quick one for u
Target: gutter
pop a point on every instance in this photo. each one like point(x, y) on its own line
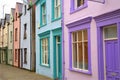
point(63, 56)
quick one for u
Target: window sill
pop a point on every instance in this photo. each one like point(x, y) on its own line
point(47, 66)
point(81, 71)
point(53, 20)
point(42, 25)
point(78, 9)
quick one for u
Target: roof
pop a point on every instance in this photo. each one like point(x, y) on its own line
point(7, 17)
point(12, 10)
point(36, 1)
point(20, 5)
point(31, 1)
point(2, 22)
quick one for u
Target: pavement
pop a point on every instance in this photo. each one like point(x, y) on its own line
point(8, 72)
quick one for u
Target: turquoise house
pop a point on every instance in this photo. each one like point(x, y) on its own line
point(49, 38)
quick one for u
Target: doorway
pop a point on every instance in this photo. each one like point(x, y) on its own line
point(57, 58)
point(110, 53)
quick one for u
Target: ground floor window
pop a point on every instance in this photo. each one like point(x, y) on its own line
point(79, 45)
point(44, 51)
point(15, 55)
point(25, 55)
point(80, 50)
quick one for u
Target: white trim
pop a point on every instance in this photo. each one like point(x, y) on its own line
point(83, 49)
point(57, 9)
point(44, 52)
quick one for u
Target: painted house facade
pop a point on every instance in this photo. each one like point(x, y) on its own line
point(1, 41)
point(4, 43)
point(17, 25)
point(91, 39)
point(27, 37)
point(48, 38)
point(5, 36)
point(10, 37)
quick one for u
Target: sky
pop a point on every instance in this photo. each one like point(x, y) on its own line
point(8, 4)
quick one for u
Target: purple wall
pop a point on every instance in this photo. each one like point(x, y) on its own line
point(93, 9)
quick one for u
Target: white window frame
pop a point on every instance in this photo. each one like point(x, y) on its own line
point(57, 9)
point(44, 52)
point(78, 51)
point(43, 13)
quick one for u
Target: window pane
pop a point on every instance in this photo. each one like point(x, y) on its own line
point(46, 58)
point(85, 34)
point(80, 2)
point(80, 36)
point(43, 9)
point(74, 55)
point(80, 55)
point(74, 36)
point(57, 9)
point(44, 51)
point(43, 14)
point(110, 32)
point(86, 55)
point(56, 3)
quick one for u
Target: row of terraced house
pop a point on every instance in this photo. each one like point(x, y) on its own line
point(63, 39)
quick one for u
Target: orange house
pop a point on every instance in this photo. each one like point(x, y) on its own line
point(17, 24)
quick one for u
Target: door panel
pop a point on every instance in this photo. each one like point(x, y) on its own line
point(112, 60)
point(58, 59)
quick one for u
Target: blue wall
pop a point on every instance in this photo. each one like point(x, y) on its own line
point(47, 71)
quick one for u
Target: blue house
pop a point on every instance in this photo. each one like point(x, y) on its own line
point(27, 37)
point(48, 38)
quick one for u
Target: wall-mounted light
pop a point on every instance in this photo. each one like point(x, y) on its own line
point(38, 25)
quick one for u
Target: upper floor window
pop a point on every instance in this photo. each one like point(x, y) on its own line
point(56, 9)
point(10, 36)
point(43, 14)
point(25, 31)
point(16, 16)
point(16, 34)
point(77, 5)
point(25, 9)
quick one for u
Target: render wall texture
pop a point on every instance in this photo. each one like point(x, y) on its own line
point(10, 42)
point(16, 26)
point(49, 27)
point(93, 9)
point(25, 43)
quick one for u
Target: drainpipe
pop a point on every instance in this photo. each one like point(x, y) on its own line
point(13, 43)
point(8, 42)
point(30, 39)
point(20, 42)
point(63, 62)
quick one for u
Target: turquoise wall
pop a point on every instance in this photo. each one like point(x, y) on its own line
point(51, 25)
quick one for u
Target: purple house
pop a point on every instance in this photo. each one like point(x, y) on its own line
point(91, 39)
